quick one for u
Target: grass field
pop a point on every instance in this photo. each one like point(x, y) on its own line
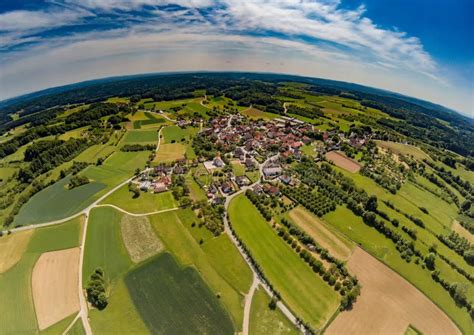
point(139, 238)
point(404, 149)
point(265, 321)
point(382, 248)
point(77, 328)
point(238, 168)
point(175, 134)
point(105, 249)
point(60, 327)
point(174, 300)
point(140, 137)
point(170, 152)
point(256, 114)
point(147, 202)
point(174, 229)
point(15, 284)
point(195, 191)
point(301, 289)
point(75, 133)
point(12, 248)
point(338, 245)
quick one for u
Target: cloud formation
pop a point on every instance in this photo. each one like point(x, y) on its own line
point(320, 34)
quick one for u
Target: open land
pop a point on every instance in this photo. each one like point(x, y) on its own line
point(342, 161)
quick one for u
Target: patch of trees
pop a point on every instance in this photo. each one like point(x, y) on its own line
point(96, 289)
point(133, 188)
point(138, 147)
point(460, 245)
point(312, 113)
point(410, 232)
point(204, 146)
point(77, 180)
point(46, 155)
point(456, 291)
point(211, 216)
point(317, 203)
point(259, 203)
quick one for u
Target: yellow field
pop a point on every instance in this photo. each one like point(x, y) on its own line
point(12, 248)
point(170, 152)
point(403, 149)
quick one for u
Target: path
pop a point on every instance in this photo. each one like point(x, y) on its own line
point(138, 214)
point(248, 305)
point(84, 311)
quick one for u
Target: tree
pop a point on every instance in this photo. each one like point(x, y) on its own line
point(430, 261)
point(469, 256)
point(466, 205)
point(371, 204)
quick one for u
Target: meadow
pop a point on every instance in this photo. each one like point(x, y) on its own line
point(147, 201)
point(256, 114)
point(172, 299)
point(303, 291)
point(140, 137)
point(174, 134)
point(15, 284)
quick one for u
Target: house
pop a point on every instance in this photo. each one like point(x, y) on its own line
point(242, 181)
point(249, 164)
point(271, 189)
point(160, 187)
point(285, 179)
point(271, 172)
point(218, 162)
point(226, 187)
point(144, 186)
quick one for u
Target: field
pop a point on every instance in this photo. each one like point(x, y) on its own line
point(174, 300)
point(15, 284)
point(195, 191)
point(383, 249)
point(105, 249)
point(238, 168)
point(12, 248)
point(301, 289)
point(170, 152)
point(337, 245)
point(56, 201)
point(146, 203)
point(342, 161)
point(140, 137)
point(458, 229)
point(256, 114)
point(77, 328)
point(403, 149)
point(210, 258)
point(139, 238)
point(265, 321)
point(388, 304)
point(174, 134)
point(54, 285)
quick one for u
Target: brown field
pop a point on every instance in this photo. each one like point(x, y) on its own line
point(139, 238)
point(458, 229)
point(12, 247)
point(388, 304)
point(342, 161)
point(312, 226)
point(55, 286)
point(170, 152)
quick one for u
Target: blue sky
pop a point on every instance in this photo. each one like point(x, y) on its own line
point(422, 48)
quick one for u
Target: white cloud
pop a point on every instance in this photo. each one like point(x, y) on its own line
point(23, 20)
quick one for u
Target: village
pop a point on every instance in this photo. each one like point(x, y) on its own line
point(266, 148)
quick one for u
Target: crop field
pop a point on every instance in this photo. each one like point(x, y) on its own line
point(104, 244)
point(388, 304)
point(174, 229)
point(147, 120)
point(265, 321)
point(172, 299)
point(301, 289)
point(15, 284)
point(12, 248)
point(54, 285)
point(139, 238)
point(167, 105)
point(343, 162)
point(383, 249)
point(147, 202)
point(255, 114)
point(337, 245)
point(59, 327)
point(170, 152)
point(195, 191)
point(75, 133)
point(94, 152)
point(140, 137)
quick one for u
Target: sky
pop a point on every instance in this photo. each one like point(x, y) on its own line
point(421, 48)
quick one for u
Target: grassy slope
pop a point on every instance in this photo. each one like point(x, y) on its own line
point(302, 290)
point(147, 202)
point(15, 284)
point(173, 300)
point(173, 230)
point(265, 321)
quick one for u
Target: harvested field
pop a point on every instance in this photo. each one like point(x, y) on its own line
point(139, 238)
point(455, 227)
point(388, 304)
point(255, 114)
point(337, 246)
point(341, 160)
point(12, 247)
point(54, 284)
point(170, 152)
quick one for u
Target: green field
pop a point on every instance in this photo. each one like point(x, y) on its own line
point(17, 314)
point(59, 327)
point(175, 134)
point(77, 328)
point(105, 249)
point(256, 114)
point(140, 137)
point(195, 191)
point(265, 321)
point(175, 300)
point(238, 169)
point(301, 289)
point(147, 202)
point(170, 152)
point(382, 248)
point(180, 238)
